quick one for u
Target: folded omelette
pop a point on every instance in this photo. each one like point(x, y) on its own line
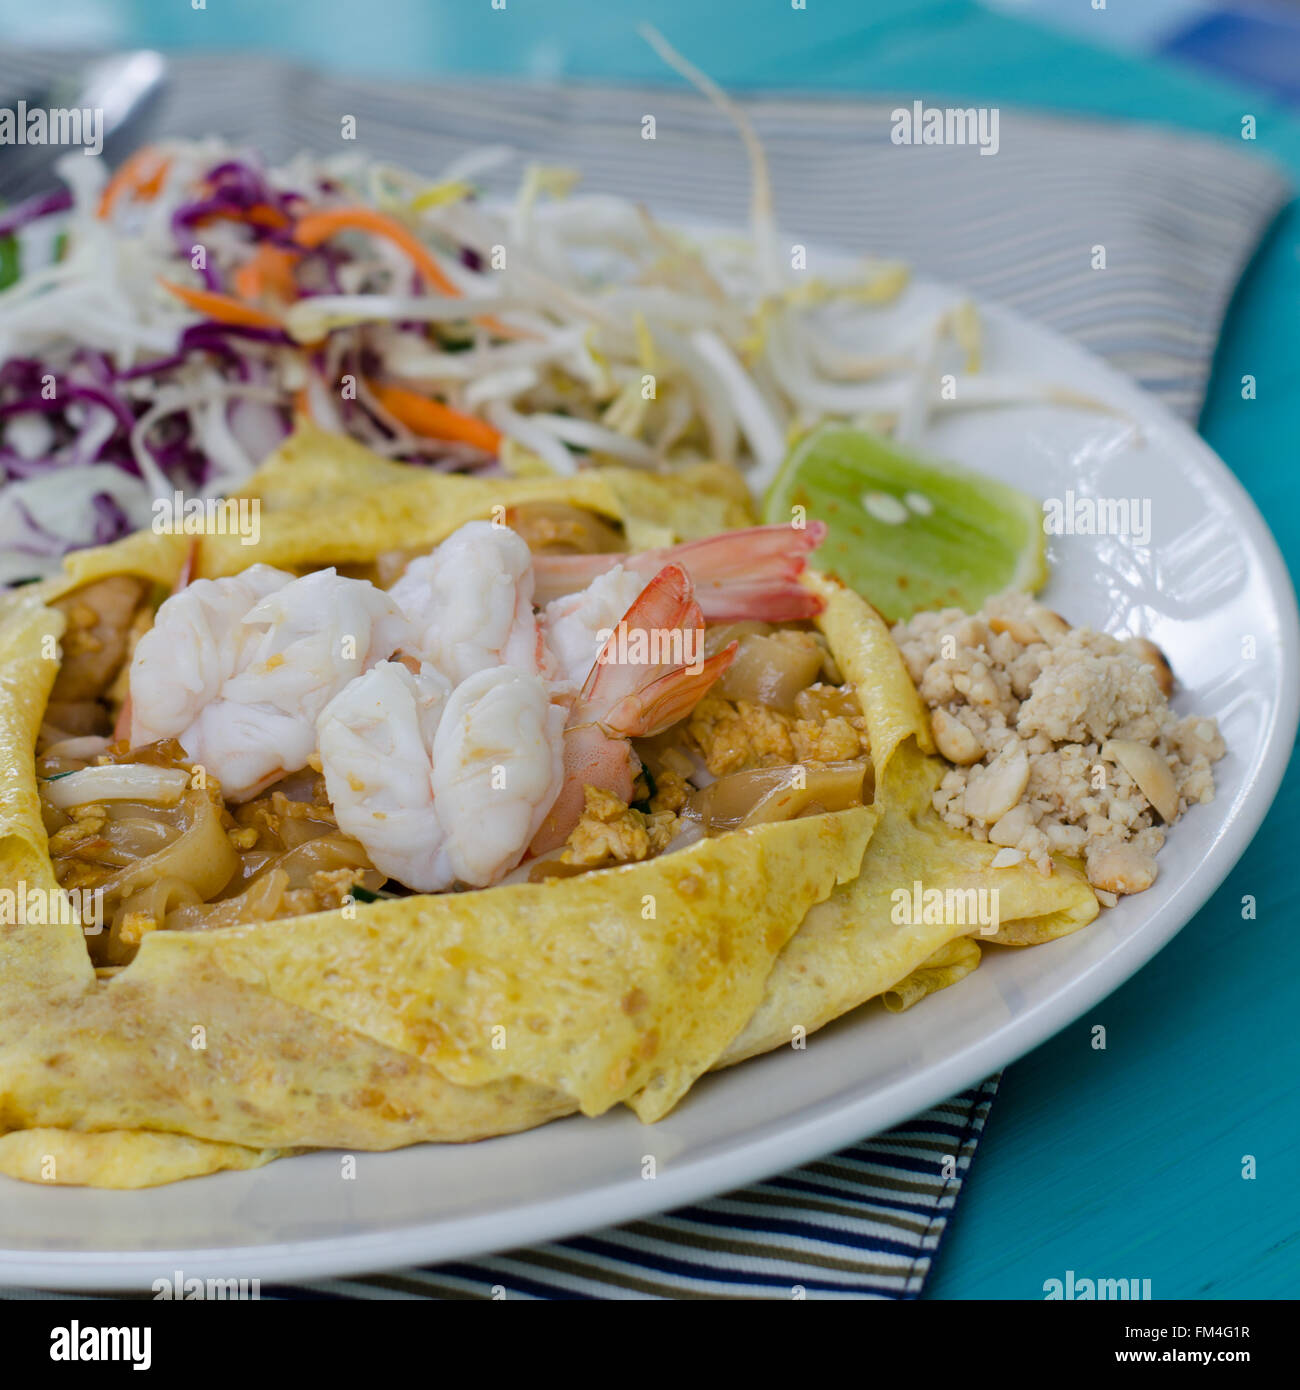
point(197, 1041)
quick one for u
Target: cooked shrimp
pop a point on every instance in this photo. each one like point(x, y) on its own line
point(622, 700)
point(470, 603)
point(440, 786)
point(375, 738)
point(497, 769)
point(193, 648)
point(239, 668)
point(95, 641)
point(572, 625)
point(737, 575)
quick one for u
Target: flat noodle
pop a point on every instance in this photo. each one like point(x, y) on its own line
point(161, 898)
point(144, 911)
point(260, 902)
point(136, 835)
point(324, 854)
point(201, 856)
point(180, 868)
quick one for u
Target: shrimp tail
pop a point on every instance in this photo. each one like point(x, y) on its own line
point(740, 575)
point(642, 683)
point(122, 726)
point(659, 705)
point(651, 671)
point(591, 759)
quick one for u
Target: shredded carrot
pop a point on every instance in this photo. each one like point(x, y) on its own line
point(317, 227)
point(504, 330)
point(433, 419)
point(141, 175)
point(260, 214)
point(220, 306)
point(268, 271)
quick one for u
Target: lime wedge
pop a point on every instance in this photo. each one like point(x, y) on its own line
point(908, 532)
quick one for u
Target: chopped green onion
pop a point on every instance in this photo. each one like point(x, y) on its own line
point(9, 266)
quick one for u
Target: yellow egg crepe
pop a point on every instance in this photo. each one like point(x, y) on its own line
point(463, 1015)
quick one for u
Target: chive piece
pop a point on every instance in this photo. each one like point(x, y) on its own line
point(9, 265)
point(368, 895)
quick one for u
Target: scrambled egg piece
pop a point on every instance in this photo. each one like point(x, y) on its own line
point(612, 832)
point(328, 889)
point(136, 926)
point(835, 739)
point(733, 735)
point(87, 821)
point(671, 793)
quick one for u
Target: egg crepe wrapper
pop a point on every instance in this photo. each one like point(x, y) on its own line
point(849, 948)
point(460, 1016)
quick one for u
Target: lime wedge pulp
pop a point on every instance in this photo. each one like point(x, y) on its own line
point(907, 532)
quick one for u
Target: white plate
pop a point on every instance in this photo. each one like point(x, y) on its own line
point(1211, 577)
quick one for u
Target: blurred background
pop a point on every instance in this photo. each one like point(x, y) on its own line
point(756, 43)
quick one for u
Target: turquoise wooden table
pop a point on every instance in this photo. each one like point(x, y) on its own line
point(1127, 1161)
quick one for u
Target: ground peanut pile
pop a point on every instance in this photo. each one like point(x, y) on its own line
point(1063, 738)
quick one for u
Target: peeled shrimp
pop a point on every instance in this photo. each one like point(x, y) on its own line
point(442, 786)
point(621, 700)
point(572, 625)
point(470, 603)
point(375, 738)
point(497, 769)
point(195, 645)
point(738, 575)
point(239, 668)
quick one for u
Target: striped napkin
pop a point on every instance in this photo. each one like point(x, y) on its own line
point(1178, 218)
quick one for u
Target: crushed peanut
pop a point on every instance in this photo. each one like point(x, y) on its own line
point(1064, 740)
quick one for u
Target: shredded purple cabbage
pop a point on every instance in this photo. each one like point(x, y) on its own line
point(89, 376)
point(65, 393)
point(14, 219)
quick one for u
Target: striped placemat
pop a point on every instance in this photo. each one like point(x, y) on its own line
point(862, 1223)
point(1178, 217)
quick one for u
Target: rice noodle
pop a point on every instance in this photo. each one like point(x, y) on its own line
point(260, 902)
point(201, 855)
point(117, 782)
point(74, 749)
